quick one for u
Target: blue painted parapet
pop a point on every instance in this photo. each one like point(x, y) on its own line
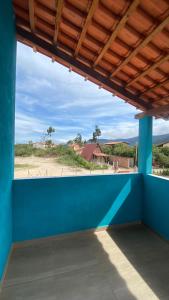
point(7, 103)
point(156, 204)
point(51, 206)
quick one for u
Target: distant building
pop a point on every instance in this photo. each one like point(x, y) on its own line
point(164, 144)
point(120, 161)
point(40, 145)
point(92, 152)
point(76, 147)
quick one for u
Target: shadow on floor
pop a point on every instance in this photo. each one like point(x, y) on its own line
point(121, 264)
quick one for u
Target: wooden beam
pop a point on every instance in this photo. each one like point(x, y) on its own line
point(86, 25)
point(160, 84)
point(66, 59)
point(32, 15)
point(149, 69)
point(118, 27)
point(159, 100)
point(93, 40)
point(153, 112)
point(59, 6)
point(142, 45)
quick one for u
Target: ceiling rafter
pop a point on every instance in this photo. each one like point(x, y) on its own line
point(146, 90)
point(142, 45)
point(160, 84)
point(118, 27)
point(150, 59)
point(166, 99)
point(59, 5)
point(100, 44)
point(86, 25)
point(132, 30)
point(122, 43)
point(84, 69)
point(153, 112)
point(150, 68)
point(32, 15)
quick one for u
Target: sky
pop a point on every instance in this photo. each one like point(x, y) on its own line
point(47, 94)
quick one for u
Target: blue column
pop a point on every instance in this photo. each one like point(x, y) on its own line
point(7, 102)
point(145, 146)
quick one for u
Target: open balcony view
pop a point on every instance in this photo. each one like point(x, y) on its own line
point(84, 150)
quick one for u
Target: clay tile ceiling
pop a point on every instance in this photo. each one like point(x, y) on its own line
point(123, 45)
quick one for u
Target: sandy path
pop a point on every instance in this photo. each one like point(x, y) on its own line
point(48, 167)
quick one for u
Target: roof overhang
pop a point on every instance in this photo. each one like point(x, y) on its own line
point(123, 46)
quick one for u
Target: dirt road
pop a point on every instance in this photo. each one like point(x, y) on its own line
point(48, 167)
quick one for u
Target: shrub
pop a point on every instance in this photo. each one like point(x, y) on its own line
point(75, 160)
point(165, 150)
point(63, 153)
point(119, 150)
point(39, 152)
point(23, 150)
point(164, 172)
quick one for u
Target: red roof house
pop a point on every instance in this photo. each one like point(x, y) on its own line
point(91, 151)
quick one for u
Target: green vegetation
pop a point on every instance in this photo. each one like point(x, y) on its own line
point(119, 150)
point(164, 172)
point(25, 166)
point(75, 160)
point(26, 150)
point(63, 153)
point(67, 156)
point(96, 134)
point(77, 140)
point(161, 156)
point(50, 130)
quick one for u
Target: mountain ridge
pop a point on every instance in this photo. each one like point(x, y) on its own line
point(157, 139)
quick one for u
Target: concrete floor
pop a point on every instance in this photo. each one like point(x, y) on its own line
point(122, 264)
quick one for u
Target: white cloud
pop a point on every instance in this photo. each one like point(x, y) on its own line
point(121, 130)
point(160, 126)
point(32, 128)
point(47, 94)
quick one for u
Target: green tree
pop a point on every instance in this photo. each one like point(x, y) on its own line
point(94, 139)
point(96, 134)
point(48, 141)
point(78, 139)
point(165, 150)
point(106, 149)
point(120, 150)
point(97, 131)
point(50, 130)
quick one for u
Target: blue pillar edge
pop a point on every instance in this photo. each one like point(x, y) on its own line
point(145, 145)
point(7, 115)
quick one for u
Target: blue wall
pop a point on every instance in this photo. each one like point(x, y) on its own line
point(7, 95)
point(156, 204)
point(50, 206)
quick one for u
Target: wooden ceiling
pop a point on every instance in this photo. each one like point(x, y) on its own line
point(123, 45)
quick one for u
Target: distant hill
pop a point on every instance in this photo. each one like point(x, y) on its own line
point(157, 139)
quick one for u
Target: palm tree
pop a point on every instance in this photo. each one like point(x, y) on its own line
point(50, 130)
point(97, 131)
